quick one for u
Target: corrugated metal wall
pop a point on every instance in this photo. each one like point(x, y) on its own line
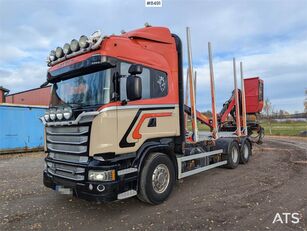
point(21, 128)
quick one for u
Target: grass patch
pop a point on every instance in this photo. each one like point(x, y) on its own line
point(200, 126)
point(287, 128)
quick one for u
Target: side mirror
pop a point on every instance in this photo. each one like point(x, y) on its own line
point(134, 87)
point(135, 69)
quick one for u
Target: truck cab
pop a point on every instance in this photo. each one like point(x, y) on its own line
point(112, 104)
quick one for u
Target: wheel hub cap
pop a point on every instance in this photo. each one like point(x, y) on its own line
point(160, 178)
point(234, 155)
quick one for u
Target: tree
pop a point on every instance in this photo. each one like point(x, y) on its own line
point(207, 113)
point(268, 110)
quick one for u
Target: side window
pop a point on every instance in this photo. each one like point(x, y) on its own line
point(159, 85)
point(154, 82)
point(260, 91)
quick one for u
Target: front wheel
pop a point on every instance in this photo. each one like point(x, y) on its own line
point(157, 178)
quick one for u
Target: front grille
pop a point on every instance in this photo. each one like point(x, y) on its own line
point(68, 144)
point(66, 171)
point(68, 158)
point(68, 139)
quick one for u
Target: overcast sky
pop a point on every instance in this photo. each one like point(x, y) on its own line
point(270, 37)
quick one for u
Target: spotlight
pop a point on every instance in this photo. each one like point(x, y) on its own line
point(66, 49)
point(74, 45)
point(83, 41)
point(59, 52)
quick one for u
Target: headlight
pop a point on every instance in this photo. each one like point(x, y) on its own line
point(59, 114)
point(52, 114)
point(59, 52)
point(74, 45)
point(46, 116)
point(67, 113)
point(83, 41)
point(52, 56)
point(101, 175)
point(66, 49)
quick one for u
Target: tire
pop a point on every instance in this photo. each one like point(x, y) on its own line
point(233, 155)
point(157, 179)
point(245, 152)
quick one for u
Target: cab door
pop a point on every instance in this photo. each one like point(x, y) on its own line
point(148, 117)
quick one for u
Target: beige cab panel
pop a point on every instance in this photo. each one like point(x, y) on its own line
point(166, 126)
point(103, 137)
point(112, 127)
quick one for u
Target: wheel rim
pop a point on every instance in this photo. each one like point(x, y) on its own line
point(234, 155)
point(160, 178)
point(245, 151)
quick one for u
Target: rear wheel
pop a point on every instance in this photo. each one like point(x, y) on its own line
point(233, 156)
point(245, 153)
point(157, 178)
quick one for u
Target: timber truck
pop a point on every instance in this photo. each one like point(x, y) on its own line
point(117, 122)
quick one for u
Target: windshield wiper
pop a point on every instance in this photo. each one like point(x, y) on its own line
point(76, 105)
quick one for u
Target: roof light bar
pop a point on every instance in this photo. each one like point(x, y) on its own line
point(75, 47)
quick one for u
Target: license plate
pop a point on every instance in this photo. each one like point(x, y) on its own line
point(62, 190)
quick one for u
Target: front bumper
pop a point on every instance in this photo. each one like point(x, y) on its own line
point(88, 189)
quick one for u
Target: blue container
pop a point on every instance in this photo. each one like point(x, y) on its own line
point(20, 128)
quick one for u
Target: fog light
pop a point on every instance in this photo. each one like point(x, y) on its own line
point(101, 175)
point(46, 116)
point(59, 114)
point(67, 113)
point(100, 188)
point(52, 114)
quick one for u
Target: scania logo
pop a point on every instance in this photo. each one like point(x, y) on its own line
point(65, 63)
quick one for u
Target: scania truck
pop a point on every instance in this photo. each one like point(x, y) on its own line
point(117, 127)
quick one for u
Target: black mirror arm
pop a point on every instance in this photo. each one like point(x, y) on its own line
point(44, 84)
point(124, 102)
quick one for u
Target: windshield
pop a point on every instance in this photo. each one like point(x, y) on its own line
point(84, 90)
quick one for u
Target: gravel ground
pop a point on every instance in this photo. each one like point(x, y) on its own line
point(247, 198)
